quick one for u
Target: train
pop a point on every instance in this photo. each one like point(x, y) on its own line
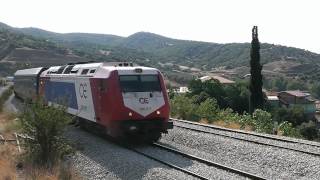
point(122, 99)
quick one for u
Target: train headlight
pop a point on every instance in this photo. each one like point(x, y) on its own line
point(132, 128)
point(158, 112)
point(130, 113)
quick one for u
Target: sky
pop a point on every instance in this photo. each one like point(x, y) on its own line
point(293, 23)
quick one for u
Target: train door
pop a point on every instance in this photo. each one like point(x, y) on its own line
point(99, 90)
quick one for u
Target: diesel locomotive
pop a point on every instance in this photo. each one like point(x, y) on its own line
point(122, 99)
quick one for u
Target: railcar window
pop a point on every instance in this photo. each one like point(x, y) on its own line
point(68, 69)
point(92, 71)
point(85, 71)
point(140, 83)
point(60, 70)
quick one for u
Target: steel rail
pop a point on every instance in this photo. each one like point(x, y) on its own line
point(168, 164)
point(210, 163)
point(252, 141)
point(246, 133)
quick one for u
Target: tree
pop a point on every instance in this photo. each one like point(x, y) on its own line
point(45, 124)
point(256, 95)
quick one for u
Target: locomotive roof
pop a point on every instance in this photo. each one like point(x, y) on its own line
point(29, 72)
point(95, 69)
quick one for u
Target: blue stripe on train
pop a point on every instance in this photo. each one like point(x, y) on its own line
point(61, 93)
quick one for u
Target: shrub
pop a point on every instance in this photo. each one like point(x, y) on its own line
point(182, 107)
point(262, 121)
point(228, 115)
point(287, 129)
point(45, 124)
point(294, 115)
point(309, 130)
point(246, 120)
point(208, 109)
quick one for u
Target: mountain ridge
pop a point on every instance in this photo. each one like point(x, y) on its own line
point(167, 54)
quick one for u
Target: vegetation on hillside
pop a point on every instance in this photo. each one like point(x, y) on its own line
point(154, 48)
point(211, 102)
point(278, 84)
point(150, 49)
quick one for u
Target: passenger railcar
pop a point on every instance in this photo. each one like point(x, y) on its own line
point(122, 99)
point(26, 82)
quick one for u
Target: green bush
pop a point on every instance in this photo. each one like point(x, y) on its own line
point(287, 129)
point(309, 130)
point(228, 115)
point(262, 121)
point(45, 124)
point(183, 107)
point(246, 120)
point(294, 115)
point(208, 110)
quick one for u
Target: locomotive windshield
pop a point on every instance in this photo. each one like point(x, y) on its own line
point(140, 83)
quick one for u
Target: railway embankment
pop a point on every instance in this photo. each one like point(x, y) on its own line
point(100, 158)
point(261, 155)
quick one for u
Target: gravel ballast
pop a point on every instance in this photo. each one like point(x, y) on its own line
point(298, 144)
point(100, 159)
point(269, 162)
point(191, 165)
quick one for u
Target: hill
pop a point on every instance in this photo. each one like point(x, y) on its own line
point(201, 55)
point(178, 58)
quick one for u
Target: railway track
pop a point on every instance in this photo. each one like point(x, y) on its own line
point(249, 134)
point(192, 157)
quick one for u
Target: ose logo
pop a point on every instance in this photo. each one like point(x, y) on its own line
point(144, 100)
point(83, 90)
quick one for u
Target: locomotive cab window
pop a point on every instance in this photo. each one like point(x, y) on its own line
point(140, 83)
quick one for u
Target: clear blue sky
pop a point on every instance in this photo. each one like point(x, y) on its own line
point(286, 22)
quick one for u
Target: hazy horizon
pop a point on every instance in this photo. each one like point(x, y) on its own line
point(288, 23)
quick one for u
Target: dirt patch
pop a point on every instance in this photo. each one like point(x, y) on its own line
point(8, 156)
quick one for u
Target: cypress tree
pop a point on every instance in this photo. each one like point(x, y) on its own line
point(256, 95)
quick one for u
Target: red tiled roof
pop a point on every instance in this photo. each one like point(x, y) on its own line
point(297, 93)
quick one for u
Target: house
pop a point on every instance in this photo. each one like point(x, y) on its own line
point(222, 80)
point(183, 90)
point(300, 99)
point(180, 90)
point(274, 101)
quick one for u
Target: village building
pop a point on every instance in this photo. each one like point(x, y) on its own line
point(222, 80)
point(274, 101)
point(298, 99)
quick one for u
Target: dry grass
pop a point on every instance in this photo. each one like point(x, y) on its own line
point(8, 151)
point(221, 123)
point(7, 162)
point(9, 157)
point(8, 124)
point(231, 125)
point(57, 173)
